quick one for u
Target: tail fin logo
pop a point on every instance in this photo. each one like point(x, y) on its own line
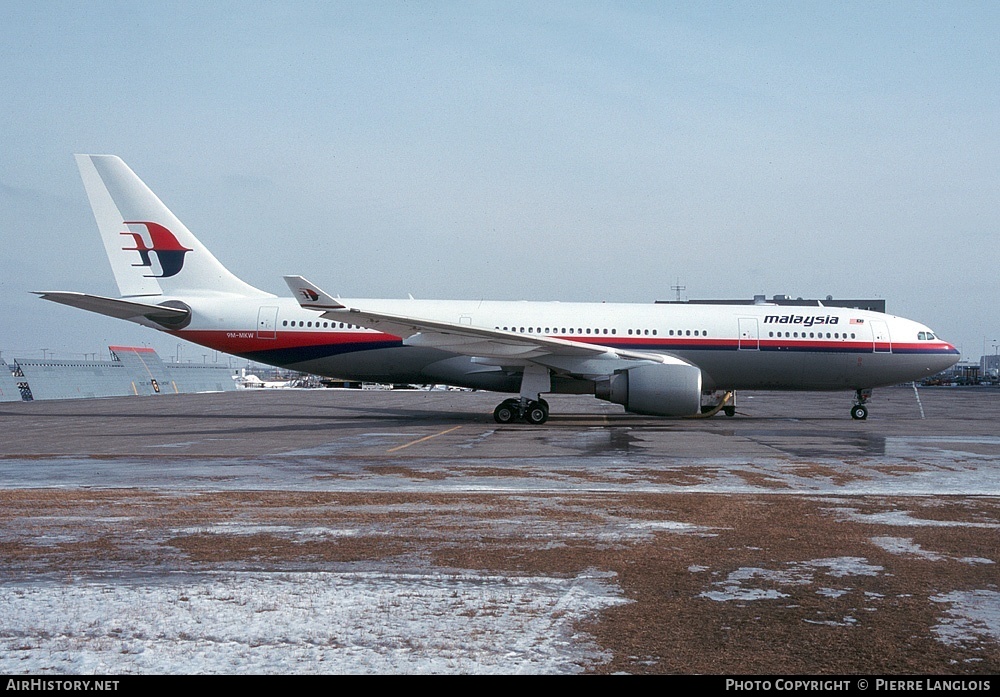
point(309, 294)
point(169, 252)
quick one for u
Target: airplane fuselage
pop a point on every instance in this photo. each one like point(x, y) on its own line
point(736, 346)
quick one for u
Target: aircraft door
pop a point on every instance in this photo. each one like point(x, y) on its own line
point(749, 338)
point(267, 321)
point(880, 337)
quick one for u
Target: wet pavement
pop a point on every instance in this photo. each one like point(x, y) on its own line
point(384, 440)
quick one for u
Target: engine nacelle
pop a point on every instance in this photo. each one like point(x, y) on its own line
point(661, 389)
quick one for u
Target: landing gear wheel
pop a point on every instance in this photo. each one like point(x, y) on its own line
point(537, 412)
point(729, 411)
point(506, 412)
point(859, 412)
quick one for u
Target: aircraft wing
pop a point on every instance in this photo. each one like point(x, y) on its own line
point(114, 307)
point(495, 345)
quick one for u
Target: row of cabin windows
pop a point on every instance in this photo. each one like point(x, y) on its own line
point(672, 332)
point(811, 335)
point(571, 330)
point(923, 336)
point(324, 325)
point(564, 330)
point(522, 330)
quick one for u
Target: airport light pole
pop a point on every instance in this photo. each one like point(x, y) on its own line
point(45, 354)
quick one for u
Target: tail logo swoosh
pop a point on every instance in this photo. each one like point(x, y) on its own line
point(162, 243)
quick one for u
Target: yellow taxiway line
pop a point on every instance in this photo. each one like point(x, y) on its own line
point(421, 440)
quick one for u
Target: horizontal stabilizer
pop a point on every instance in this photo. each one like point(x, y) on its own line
point(120, 309)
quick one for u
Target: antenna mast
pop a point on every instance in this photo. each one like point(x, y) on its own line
point(678, 287)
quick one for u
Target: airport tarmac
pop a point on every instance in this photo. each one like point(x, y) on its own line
point(329, 531)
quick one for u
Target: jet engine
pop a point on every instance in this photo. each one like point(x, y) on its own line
point(660, 389)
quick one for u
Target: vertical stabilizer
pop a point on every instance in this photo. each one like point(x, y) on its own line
point(150, 250)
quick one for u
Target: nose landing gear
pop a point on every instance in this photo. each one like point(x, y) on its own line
point(859, 412)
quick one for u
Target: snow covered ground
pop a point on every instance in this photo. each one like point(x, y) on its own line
point(228, 622)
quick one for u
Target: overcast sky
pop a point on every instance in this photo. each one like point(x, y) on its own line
point(502, 150)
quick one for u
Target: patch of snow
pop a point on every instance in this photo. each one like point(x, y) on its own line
point(672, 526)
point(839, 567)
point(738, 593)
point(233, 528)
point(833, 592)
point(368, 622)
point(734, 587)
point(904, 518)
point(972, 616)
point(846, 622)
point(905, 545)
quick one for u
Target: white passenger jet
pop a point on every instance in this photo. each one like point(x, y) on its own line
point(656, 359)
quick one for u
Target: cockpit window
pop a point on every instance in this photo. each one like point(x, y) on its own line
point(925, 336)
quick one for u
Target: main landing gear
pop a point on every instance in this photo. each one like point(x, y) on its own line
point(535, 379)
point(859, 412)
point(531, 410)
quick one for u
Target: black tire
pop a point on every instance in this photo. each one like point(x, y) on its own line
point(729, 411)
point(505, 413)
point(859, 412)
point(537, 413)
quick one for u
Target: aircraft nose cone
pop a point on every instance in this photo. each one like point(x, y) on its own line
point(948, 357)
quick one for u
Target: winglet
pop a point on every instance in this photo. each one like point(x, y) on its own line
point(311, 297)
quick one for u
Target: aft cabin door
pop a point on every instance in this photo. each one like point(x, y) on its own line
point(749, 339)
point(267, 321)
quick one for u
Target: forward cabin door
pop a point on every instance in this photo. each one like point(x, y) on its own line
point(880, 335)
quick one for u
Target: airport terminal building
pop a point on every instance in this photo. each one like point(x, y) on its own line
point(132, 371)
